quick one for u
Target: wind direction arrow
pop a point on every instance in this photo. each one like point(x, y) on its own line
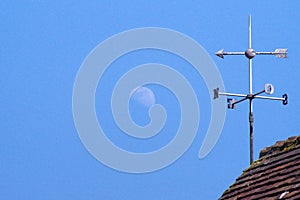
point(250, 53)
point(221, 53)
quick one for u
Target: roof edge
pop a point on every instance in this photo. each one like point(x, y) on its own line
point(280, 146)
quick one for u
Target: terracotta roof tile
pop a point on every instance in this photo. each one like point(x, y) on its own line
point(275, 175)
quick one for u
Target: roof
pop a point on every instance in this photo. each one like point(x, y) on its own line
point(275, 175)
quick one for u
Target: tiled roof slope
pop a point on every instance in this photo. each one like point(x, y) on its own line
point(275, 175)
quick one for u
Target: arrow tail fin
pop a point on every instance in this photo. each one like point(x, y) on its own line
point(281, 53)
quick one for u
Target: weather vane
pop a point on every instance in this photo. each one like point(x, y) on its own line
point(268, 89)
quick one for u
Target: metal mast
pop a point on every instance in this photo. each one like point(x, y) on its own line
point(268, 89)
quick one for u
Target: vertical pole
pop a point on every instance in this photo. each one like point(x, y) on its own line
point(250, 76)
point(251, 130)
point(250, 92)
point(250, 60)
point(249, 32)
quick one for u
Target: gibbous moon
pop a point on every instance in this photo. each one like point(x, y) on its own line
point(144, 96)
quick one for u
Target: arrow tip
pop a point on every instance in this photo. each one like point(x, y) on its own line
point(220, 53)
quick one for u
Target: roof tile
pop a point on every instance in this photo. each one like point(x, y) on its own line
point(275, 174)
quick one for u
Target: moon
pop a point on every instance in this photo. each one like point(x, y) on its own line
point(144, 96)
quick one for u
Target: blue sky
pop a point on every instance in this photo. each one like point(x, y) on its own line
point(42, 47)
